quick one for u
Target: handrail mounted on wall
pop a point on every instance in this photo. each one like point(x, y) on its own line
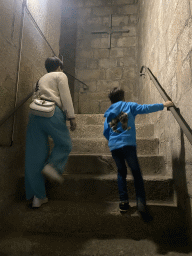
point(175, 111)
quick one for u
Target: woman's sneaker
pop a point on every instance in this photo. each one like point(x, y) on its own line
point(124, 206)
point(52, 174)
point(38, 202)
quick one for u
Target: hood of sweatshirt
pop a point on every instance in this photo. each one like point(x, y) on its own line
point(114, 110)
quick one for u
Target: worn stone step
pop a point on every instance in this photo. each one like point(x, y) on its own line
point(104, 187)
point(99, 119)
point(79, 145)
point(63, 228)
point(96, 131)
point(104, 164)
point(144, 146)
point(80, 228)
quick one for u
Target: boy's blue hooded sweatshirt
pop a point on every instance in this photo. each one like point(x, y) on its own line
point(125, 137)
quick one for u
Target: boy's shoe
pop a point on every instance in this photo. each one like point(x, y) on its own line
point(124, 206)
point(52, 174)
point(145, 215)
point(38, 202)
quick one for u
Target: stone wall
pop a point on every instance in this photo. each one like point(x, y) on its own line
point(102, 64)
point(33, 54)
point(164, 45)
point(68, 40)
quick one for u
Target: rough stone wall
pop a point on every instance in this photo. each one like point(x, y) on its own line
point(164, 45)
point(98, 66)
point(33, 54)
point(68, 40)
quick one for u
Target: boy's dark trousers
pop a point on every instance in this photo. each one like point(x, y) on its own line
point(129, 154)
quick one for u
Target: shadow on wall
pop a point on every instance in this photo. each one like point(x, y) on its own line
point(180, 183)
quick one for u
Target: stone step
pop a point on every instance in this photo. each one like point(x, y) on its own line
point(78, 228)
point(67, 217)
point(144, 146)
point(99, 119)
point(104, 188)
point(104, 164)
point(96, 131)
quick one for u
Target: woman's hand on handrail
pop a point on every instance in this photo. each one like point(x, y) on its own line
point(168, 104)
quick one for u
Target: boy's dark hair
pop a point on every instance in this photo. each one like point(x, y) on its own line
point(116, 95)
point(52, 64)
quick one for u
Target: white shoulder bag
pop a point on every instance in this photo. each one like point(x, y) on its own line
point(40, 107)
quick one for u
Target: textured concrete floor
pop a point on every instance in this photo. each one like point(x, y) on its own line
point(62, 228)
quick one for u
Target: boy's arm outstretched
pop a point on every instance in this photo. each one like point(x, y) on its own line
point(150, 108)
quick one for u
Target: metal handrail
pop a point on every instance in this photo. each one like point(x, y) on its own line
point(4, 119)
point(45, 39)
point(175, 111)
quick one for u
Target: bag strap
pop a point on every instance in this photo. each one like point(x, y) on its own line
point(37, 86)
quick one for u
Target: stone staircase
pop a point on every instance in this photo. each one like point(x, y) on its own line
point(91, 172)
point(82, 215)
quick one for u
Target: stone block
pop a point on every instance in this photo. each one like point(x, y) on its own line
point(129, 52)
point(92, 64)
point(84, 13)
point(100, 43)
point(82, 44)
point(127, 85)
point(119, 21)
point(94, 21)
point(105, 85)
point(127, 9)
point(132, 31)
point(86, 75)
point(126, 42)
point(114, 74)
point(129, 96)
point(102, 11)
point(116, 52)
point(81, 63)
point(92, 86)
point(127, 62)
point(134, 18)
point(106, 21)
point(129, 73)
point(101, 53)
point(97, 96)
point(107, 63)
point(84, 54)
point(91, 3)
point(87, 107)
point(104, 105)
point(119, 2)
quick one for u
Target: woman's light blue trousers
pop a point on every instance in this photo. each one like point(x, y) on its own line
point(37, 150)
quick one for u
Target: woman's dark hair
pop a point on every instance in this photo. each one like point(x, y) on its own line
point(52, 64)
point(116, 95)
